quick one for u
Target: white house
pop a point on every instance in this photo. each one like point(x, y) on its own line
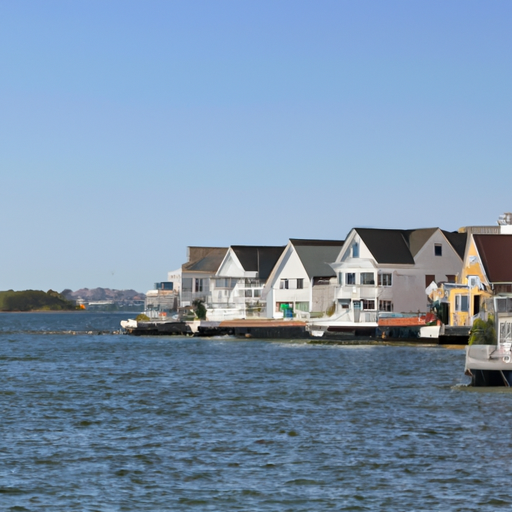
point(202, 264)
point(302, 279)
point(236, 288)
point(385, 270)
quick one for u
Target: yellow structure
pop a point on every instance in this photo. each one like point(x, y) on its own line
point(460, 302)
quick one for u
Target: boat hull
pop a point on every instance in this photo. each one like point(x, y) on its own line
point(488, 365)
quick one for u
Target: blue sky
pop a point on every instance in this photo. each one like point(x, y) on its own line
point(130, 130)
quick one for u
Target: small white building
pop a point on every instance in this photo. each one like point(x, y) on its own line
point(302, 280)
point(202, 265)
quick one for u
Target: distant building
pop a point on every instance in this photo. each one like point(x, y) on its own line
point(162, 299)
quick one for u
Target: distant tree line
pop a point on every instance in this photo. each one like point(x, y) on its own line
point(34, 300)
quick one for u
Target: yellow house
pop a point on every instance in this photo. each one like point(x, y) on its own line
point(486, 271)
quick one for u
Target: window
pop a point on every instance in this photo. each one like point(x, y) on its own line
point(283, 285)
point(504, 304)
point(473, 281)
point(198, 285)
point(428, 279)
point(248, 293)
point(385, 279)
point(438, 249)
point(461, 303)
point(186, 284)
point(355, 250)
point(302, 306)
point(257, 292)
point(344, 303)
point(340, 278)
point(450, 278)
point(367, 278)
point(350, 278)
point(385, 305)
point(368, 304)
point(300, 284)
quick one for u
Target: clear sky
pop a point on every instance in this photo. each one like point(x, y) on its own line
point(130, 130)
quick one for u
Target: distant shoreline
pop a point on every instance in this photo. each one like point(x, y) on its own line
point(69, 311)
point(48, 311)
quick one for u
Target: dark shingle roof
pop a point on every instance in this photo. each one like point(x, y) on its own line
point(205, 259)
point(458, 241)
point(496, 255)
point(387, 245)
point(258, 258)
point(417, 238)
point(400, 246)
point(316, 255)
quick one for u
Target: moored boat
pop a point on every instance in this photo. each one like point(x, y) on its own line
point(491, 365)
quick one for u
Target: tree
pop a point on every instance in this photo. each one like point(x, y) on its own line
point(199, 309)
point(483, 332)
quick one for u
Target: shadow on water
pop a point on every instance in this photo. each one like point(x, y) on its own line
point(502, 390)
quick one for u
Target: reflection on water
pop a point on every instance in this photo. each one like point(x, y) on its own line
point(120, 423)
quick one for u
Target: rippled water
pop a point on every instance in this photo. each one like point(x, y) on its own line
point(117, 423)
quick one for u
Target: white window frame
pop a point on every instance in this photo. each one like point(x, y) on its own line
point(367, 302)
point(365, 274)
point(384, 277)
point(388, 303)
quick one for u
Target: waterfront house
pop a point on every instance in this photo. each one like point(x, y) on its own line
point(387, 270)
point(302, 279)
point(487, 271)
point(236, 288)
point(203, 263)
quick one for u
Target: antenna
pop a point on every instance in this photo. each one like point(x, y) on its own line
point(505, 219)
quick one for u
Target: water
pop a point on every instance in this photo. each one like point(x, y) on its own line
point(117, 423)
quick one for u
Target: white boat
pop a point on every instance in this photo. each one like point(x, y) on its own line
point(491, 365)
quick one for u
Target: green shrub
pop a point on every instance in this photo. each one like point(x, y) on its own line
point(199, 309)
point(483, 332)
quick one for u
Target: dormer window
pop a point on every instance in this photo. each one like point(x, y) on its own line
point(473, 281)
point(438, 250)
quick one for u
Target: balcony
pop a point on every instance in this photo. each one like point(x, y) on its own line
point(358, 291)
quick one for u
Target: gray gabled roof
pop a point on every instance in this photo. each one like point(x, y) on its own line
point(258, 258)
point(316, 255)
point(400, 246)
point(205, 259)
